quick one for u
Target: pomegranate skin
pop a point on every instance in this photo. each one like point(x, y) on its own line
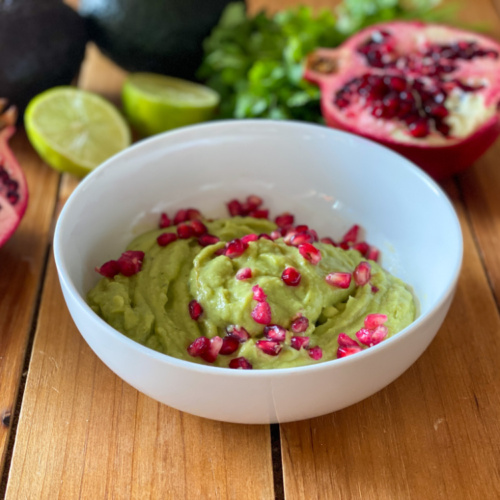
point(331, 69)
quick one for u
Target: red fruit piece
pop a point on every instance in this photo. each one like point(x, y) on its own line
point(328, 241)
point(198, 227)
point(362, 273)
point(235, 248)
point(258, 294)
point(316, 353)
point(269, 347)
point(234, 208)
point(275, 332)
point(374, 320)
point(364, 336)
point(265, 236)
point(373, 254)
point(166, 238)
point(300, 324)
point(362, 247)
point(291, 276)
point(285, 219)
point(240, 363)
point(379, 334)
point(351, 235)
point(109, 269)
point(254, 202)
point(249, 238)
point(229, 345)
point(180, 216)
point(301, 238)
point(346, 341)
point(244, 273)
point(275, 235)
point(184, 231)
point(130, 262)
point(193, 214)
point(262, 313)
point(339, 280)
point(238, 332)
point(164, 221)
point(199, 346)
point(259, 214)
point(195, 310)
point(310, 253)
point(298, 342)
point(208, 239)
point(210, 355)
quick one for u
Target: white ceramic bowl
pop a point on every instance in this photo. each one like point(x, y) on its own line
point(328, 179)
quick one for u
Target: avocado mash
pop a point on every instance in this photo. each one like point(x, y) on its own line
point(155, 306)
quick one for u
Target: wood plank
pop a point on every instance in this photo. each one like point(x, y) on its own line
point(22, 260)
point(433, 433)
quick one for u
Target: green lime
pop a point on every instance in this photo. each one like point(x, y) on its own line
point(156, 103)
point(74, 130)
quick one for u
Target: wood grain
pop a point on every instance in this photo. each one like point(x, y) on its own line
point(22, 261)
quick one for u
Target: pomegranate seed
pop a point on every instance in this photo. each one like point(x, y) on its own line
point(328, 241)
point(379, 334)
point(362, 247)
point(374, 289)
point(298, 342)
point(262, 313)
point(180, 216)
point(310, 253)
point(364, 336)
point(362, 273)
point(352, 234)
point(285, 219)
point(208, 239)
point(269, 347)
point(130, 262)
point(244, 273)
point(166, 238)
point(192, 214)
point(165, 221)
point(301, 228)
point(345, 245)
point(343, 351)
point(235, 248)
point(316, 353)
point(109, 269)
point(254, 201)
point(373, 254)
point(291, 276)
point(229, 345)
point(184, 231)
point(346, 341)
point(275, 332)
point(240, 363)
point(259, 214)
point(210, 355)
point(198, 227)
point(235, 208)
point(195, 310)
point(238, 332)
point(300, 324)
point(265, 236)
point(258, 294)
point(199, 346)
point(220, 251)
point(301, 238)
point(374, 320)
point(339, 280)
point(275, 235)
point(248, 238)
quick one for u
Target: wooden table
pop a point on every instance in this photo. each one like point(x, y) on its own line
point(69, 428)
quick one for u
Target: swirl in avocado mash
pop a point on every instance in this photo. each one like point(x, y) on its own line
point(151, 306)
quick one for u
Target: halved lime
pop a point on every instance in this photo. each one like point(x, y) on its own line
point(156, 103)
point(74, 130)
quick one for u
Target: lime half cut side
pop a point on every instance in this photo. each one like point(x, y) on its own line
point(156, 103)
point(74, 130)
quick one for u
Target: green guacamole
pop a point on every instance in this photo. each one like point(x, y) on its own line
point(151, 307)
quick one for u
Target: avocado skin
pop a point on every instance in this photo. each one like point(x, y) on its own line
point(42, 44)
point(158, 36)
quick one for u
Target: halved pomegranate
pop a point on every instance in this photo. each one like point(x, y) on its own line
point(429, 92)
point(13, 188)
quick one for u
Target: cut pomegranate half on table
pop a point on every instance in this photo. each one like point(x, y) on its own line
point(427, 91)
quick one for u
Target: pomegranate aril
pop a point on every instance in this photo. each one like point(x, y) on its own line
point(244, 273)
point(261, 313)
point(328, 241)
point(269, 347)
point(364, 336)
point(198, 346)
point(235, 248)
point(373, 254)
point(316, 353)
point(229, 345)
point(238, 332)
point(339, 280)
point(184, 231)
point(254, 201)
point(291, 276)
point(265, 237)
point(258, 294)
point(208, 239)
point(275, 332)
point(180, 216)
point(379, 334)
point(248, 238)
point(362, 273)
point(275, 235)
point(109, 269)
point(285, 219)
point(300, 324)
point(342, 352)
point(166, 238)
point(297, 342)
point(259, 214)
point(240, 363)
point(310, 253)
point(198, 227)
point(195, 310)
point(235, 208)
point(362, 247)
point(301, 238)
point(210, 355)
point(351, 235)
point(164, 221)
point(419, 128)
point(192, 214)
point(346, 341)
point(130, 262)
point(374, 320)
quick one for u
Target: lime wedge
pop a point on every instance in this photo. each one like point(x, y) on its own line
point(74, 130)
point(156, 103)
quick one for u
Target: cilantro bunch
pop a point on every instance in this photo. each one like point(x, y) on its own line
point(256, 62)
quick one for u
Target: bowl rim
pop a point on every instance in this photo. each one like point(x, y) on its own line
point(187, 131)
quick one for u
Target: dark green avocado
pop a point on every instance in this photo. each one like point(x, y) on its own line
point(42, 44)
point(159, 36)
